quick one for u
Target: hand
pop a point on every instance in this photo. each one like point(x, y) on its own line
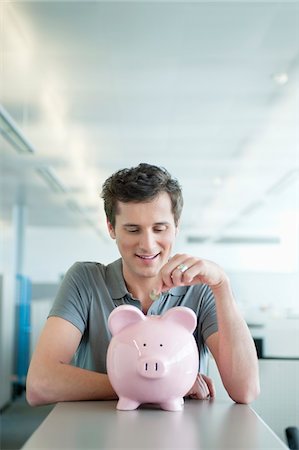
point(186, 270)
point(202, 389)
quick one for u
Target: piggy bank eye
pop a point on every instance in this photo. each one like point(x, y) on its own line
point(144, 345)
point(161, 345)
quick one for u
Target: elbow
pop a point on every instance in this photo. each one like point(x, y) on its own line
point(247, 395)
point(36, 392)
point(32, 398)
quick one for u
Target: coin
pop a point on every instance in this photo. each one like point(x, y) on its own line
point(154, 295)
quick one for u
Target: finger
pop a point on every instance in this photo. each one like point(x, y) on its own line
point(196, 271)
point(166, 273)
point(165, 283)
point(168, 278)
point(211, 385)
point(180, 269)
point(199, 390)
point(199, 395)
point(203, 387)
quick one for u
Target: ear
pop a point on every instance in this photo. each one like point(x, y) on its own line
point(111, 229)
point(123, 316)
point(183, 316)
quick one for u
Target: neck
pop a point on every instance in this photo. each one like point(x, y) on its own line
point(140, 288)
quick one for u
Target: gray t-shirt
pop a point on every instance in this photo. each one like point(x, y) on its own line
point(90, 291)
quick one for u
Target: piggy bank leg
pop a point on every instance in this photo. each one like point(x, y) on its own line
point(175, 404)
point(127, 404)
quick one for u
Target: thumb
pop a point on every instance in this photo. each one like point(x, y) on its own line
point(158, 289)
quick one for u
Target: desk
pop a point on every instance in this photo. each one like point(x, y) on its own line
point(208, 424)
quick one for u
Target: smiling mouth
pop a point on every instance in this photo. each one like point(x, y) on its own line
point(148, 257)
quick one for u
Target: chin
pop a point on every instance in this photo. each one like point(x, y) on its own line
point(149, 273)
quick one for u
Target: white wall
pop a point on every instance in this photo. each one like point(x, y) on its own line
point(39, 313)
point(7, 313)
point(51, 251)
point(269, 291)
point(262, 276)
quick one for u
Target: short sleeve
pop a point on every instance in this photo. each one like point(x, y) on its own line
point(73, 297)
point(208, 316)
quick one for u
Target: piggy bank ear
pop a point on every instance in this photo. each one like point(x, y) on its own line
point(123, 316)
point(183, 316)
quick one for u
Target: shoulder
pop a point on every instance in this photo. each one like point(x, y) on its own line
point(86, 268)
point(94, 271)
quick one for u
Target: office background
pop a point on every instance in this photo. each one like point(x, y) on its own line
point(207, 89)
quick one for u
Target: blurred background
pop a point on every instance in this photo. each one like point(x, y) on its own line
point(207, 89)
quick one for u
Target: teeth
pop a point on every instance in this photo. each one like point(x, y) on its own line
point(147, 257)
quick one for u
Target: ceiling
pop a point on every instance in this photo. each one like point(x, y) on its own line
point(209, 90)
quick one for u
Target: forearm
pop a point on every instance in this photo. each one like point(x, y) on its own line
point(58, 382)
point(237, 359)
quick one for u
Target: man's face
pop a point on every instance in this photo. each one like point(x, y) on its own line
point(144, 233)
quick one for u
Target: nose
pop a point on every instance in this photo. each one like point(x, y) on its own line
point(151, 368)
point(147, 242)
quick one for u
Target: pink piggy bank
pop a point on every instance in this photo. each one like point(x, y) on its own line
point(152, 359)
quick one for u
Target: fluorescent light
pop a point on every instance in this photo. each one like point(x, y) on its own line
point(52, 180)
point(280, 78)
point(10, 131)
point(217, 181)
point(251, 208)
point(192, 239)
point(73, 205)
point(284, 182)
point(246, 240)
point(249, 240)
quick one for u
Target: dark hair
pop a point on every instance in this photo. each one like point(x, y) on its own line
point(140, 184)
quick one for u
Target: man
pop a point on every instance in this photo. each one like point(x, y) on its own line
point(143, 207)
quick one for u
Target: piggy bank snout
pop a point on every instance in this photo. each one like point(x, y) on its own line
point(151, 368)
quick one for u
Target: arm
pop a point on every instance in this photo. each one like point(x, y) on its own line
point(233, 349)
point(232, 346)
point(51, 378)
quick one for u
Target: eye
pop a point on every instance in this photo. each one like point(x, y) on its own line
point(159, 229)
point(144, 345)
point(131, 228)
point(161, 345)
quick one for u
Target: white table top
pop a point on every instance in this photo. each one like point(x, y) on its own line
point(208, 424)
